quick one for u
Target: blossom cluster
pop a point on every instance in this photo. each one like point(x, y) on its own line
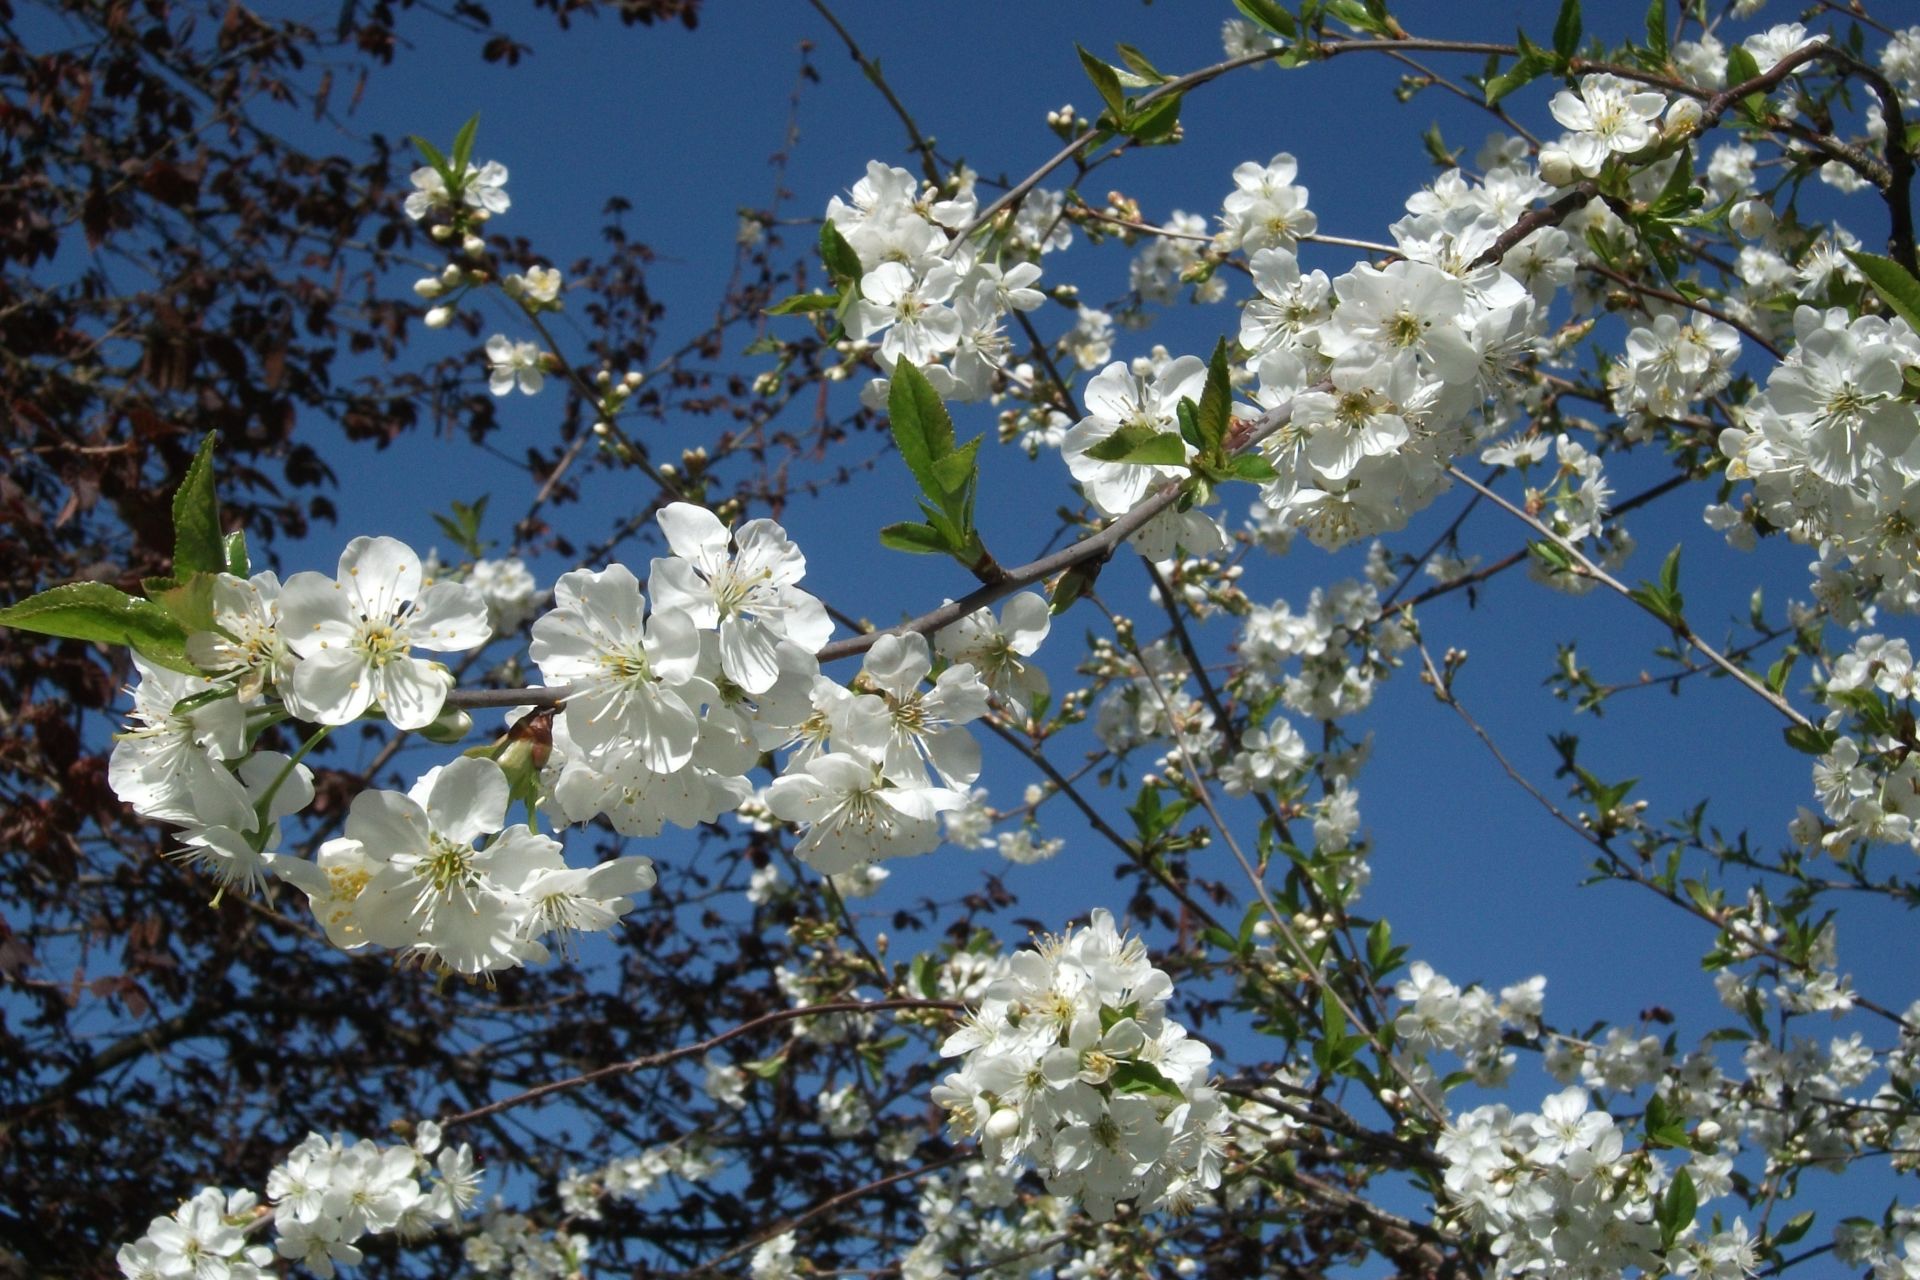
point(926, 295)
point(326, 1196)
point(1830, 449)
point(1071, 1063)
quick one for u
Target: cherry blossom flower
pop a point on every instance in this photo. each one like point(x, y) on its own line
point(747, 594)
point(632, 676)
point(354, 633)
point(514, 364)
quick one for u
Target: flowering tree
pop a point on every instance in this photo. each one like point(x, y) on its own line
point(591, 990)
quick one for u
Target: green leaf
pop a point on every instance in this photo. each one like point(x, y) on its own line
point(1361, 17)
point(1437, 148)
point(1269, 16)
point(843, 264)
point(1566, 29)
point(190, 603)
point(920, 539)
point(463, 146)
point(1141, 445)
point(431, 154)
point(953, 472)
point(1524, 71)
point(1155, 122)
point(1677, 1208)
point(97, 611)
point(1795, 1228)
point(197, 544)
point(1552, 554)
point(1107, 81)
point(1071, 585)
point(1657, 29)
point(1379, 947)
point(238, 562)
point(1891, 281)
point(1253, 467)
point(921, 427)
point(1140, 65)
point(1214, 413)
point(1143, 1077)
point(1189, 425)
point(1677, 196)
point(802, 303)
point(1810, 739)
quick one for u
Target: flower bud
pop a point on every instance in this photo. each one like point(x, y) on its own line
point(452, 725)
point(1708, 1131)
point(1751, 219)
point(429, 287)
point(472, 245)
point(442, 232)
point(438, 318)
point(1683, 116)
point(1557, 168)
point(1002, 1124)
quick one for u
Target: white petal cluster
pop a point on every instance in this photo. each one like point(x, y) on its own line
point(409, 876)
point(512, 364)
point(1830, 448)
point(1609, 116)
point(205, 1237)
point(892, 761)
point(325, 650)
point(354, 635)
point(1070, 1063)
point(1673, 363)
point(925, 296)
point(1556, 1191)
point(483, 190)
point(1266, 209)
point(326, 1195)
point(998, 649)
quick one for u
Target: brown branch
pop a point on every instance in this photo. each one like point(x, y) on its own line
point(1095, 547)
point(672, 1055)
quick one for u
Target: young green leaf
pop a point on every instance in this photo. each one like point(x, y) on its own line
point(843, 264)
point(803, 303)
point(197, 544)
point(1214, 414)
point(920, 539)
point(1657, 30)
point(239, 564)
point(1268, 15)
point(463, 146)
point(1251, 466)
point(1141, 445)
point(1155, 122)
point(431, 154)
point(1140, 66)
point(922, 429)
point(1566, 29)
point(97, 611)
point(1896, 287)
point(1807, 738)
point(1071, 585)
point(1677, 1207)
point(1107, 81)
point(190, 602)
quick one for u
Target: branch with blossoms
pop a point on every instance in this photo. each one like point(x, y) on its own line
point(1082, 1124)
